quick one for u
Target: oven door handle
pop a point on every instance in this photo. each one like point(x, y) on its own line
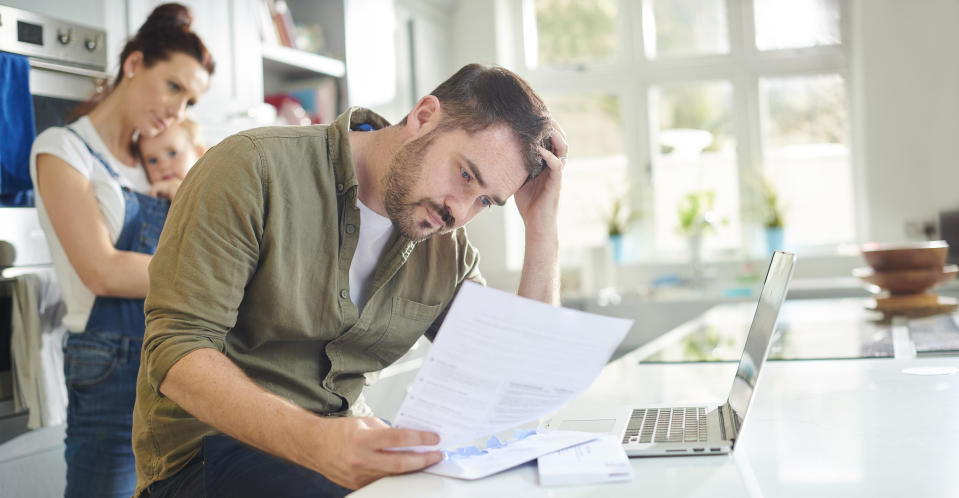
point(63, 68)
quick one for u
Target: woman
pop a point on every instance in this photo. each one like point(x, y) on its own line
point(102, 231)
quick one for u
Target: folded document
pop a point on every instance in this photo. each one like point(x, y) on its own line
point(500, 361)
point(475, 463)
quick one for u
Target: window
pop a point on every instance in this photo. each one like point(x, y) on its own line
point(694, 151)
point(664, 99)
point(806, 155)
point(572, 32)
point(676, 28)
point(796, 23)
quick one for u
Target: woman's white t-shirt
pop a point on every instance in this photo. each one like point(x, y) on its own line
point(65, 145)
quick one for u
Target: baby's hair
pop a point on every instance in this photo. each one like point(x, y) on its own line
point(193, 131)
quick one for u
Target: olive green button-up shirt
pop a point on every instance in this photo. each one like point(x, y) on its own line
point(254, 261)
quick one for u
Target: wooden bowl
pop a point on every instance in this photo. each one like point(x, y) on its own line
point(907, 281)
point(910, 256)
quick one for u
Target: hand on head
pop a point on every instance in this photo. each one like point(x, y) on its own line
point(538, 200)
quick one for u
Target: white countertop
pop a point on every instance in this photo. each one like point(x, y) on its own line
point(842, 428)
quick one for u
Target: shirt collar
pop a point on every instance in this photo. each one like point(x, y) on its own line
point(341, 155)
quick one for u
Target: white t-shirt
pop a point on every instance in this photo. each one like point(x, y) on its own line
point(375, 231)
point(66, 146)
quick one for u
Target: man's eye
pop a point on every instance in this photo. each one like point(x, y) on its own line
point(486, 202)
point(152, 160)
point(173, 86)
point(465, 174)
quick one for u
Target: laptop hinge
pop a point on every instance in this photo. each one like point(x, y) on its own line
point(727, 419)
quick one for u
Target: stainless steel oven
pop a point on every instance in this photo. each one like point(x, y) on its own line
point(68, 65)
point(67, 62)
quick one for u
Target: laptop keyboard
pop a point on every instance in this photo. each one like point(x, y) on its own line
point(666, 425)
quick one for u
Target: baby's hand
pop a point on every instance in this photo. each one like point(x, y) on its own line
point(166, 188)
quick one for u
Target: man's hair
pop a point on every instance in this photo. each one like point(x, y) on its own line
point(480, 96)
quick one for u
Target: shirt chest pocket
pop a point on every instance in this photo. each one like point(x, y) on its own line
point(408, 321)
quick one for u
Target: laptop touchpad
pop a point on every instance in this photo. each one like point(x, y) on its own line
point(594, 425)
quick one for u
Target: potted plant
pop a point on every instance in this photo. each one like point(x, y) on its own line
point(618, 219)
point(772, 216)
point(696, 217)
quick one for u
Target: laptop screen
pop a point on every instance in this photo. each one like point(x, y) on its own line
point(760, 333)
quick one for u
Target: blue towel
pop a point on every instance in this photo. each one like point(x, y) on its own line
point(17, 130)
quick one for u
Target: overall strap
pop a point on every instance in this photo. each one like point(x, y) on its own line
point(97, 155)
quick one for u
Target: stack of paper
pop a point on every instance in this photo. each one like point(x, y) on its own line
point(598, 461)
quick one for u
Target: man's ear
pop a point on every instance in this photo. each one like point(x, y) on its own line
point(426, 115)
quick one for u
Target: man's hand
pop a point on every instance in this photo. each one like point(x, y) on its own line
point(350, 451)
point(353, 450)
point(538, 204)
point(166, 188)
point(538, 200)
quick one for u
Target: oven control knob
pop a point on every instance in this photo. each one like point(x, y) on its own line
point(64, 36)
point(91, 44)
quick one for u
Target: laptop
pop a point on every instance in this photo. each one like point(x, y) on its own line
point(701, 428)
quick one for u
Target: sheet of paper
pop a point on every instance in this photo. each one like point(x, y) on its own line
point(492, 460)
point(500, 361)
point(600, 460)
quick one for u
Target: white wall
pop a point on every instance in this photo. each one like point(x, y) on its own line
point(906, 92)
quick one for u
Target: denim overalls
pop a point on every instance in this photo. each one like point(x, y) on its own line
point(101, 365)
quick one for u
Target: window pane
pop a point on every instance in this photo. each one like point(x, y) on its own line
point(806, 154)
point(694, 153)
point(575, 32)
point(676, 28)
point(594, 175)
point(796, 23)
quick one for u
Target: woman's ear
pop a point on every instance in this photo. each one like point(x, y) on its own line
point(426, 114)
point(132, 63)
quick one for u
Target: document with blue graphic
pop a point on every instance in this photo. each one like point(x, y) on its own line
point(500, 361)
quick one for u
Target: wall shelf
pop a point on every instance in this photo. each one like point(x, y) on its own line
point(292, 64)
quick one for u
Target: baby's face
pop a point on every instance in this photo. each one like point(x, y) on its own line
point(168, 155)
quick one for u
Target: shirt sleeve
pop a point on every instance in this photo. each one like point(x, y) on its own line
point(207, 254)
point(63, 144)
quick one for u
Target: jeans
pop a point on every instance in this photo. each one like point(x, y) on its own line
point(226, 468)
point(101, 373)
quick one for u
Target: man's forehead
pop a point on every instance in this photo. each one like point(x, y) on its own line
point(497, 152)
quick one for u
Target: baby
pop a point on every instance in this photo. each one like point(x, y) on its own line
point(169, 155)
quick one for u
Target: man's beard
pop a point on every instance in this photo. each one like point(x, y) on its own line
point(400, 179)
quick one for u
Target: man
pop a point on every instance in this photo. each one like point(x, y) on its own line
point(298, 260)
